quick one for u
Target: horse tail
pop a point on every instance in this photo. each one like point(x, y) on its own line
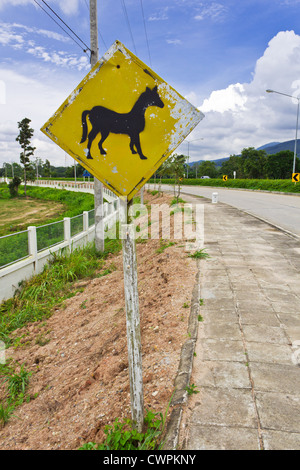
point(84, 126)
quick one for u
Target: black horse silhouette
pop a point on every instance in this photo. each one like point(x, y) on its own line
point(105, 120)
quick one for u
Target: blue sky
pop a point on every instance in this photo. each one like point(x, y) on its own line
point(221, 55)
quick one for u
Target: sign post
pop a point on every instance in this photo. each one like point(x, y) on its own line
point(133, 325)
point(121, 123)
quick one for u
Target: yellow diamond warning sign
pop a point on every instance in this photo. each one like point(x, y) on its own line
point(122, 121)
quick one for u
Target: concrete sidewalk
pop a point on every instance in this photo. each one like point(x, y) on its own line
point(247, 359)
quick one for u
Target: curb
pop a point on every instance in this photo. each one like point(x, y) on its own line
point(184, 372)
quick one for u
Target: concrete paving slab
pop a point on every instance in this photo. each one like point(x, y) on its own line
point(222, 350)
point(279, 440)
point(279, 411)
point(248, 346)
point(283, 307)
point(222, 330)
point(281, 378)
point(220, 315)
point(269, 353)
point(225, 407)
point(259, 318)
point(265, 334)
point(289, 319)
point(222, 438)
point(223, 374)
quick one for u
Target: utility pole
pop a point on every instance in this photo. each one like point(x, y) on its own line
point(98, 186)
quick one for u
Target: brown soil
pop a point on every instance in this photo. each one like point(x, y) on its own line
point(80, 379)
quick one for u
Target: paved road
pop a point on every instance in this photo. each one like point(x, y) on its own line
point(280, 210)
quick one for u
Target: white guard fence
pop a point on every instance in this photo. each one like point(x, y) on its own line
point(25, 253)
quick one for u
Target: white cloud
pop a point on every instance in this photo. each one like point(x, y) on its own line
point(59, 58)
point(9, 37)
point(175, 42)
point(214, 11)
point(231, 99)
point(69, 7)
point(161, 15)
point(42, 32)
point(37, 99)
point(244, 115)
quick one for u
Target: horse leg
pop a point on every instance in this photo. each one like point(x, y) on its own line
point(132, 146)
point(92, 135)
point(104, 135)
point(137, 143)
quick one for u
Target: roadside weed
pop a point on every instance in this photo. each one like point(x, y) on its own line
point(200, 254)
point(191, 389)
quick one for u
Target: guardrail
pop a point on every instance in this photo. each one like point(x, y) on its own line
point(34, 246)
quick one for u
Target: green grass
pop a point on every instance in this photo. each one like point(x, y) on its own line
point(17, 214)
point(163, 244)
point(15, 392)
point(200, 254)
point(20, 212)
point(42, 206)
point(191, 389)
point(38, 296)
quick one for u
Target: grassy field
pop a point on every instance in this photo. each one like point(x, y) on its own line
point(42, 206)
point(18, 213)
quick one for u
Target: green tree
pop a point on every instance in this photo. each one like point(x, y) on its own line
point(234, 163)
point(253, 163)
point(24, 139)
point(176, 169)
point(280, 165)
point(207, 168)
point(46, 169)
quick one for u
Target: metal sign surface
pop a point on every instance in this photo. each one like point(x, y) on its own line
point(296, 177)
point(122, 121)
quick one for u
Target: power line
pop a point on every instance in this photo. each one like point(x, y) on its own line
point(128, 24)
point(146, 32)
point(53, 19)
point(66, 25)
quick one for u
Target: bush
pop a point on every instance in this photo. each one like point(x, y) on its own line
point(13, 186)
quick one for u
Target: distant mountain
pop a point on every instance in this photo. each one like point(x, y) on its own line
point(217, 162)
point(280, 146)
point(264, 147)
point(270, 149)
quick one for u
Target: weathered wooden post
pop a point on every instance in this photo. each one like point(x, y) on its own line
point(133, 327)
